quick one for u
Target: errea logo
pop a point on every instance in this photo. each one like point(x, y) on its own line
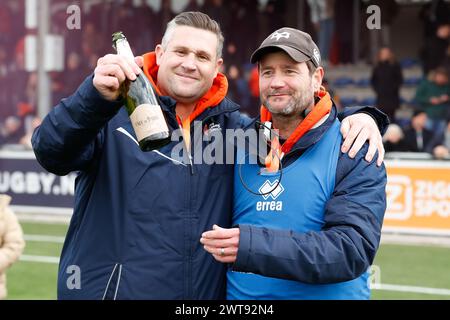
point(277, 35)
point(270, 190)
point(267, 186)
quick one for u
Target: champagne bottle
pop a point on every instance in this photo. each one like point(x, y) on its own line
point(142, 104)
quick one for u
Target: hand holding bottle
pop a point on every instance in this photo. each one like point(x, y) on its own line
point(112, 70)
point(140, 99)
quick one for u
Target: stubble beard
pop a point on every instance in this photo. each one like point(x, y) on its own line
point(297, 104)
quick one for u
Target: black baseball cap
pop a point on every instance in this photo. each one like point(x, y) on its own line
point(297, 44)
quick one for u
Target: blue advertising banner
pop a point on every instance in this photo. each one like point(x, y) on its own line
point(31, 187)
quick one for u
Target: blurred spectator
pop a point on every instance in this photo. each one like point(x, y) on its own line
point(92, 42)
point(333, 94)
point(147, 23)
point(10, 130)
point(192, 5)
point(26, 139)
point(18, 81)
point(435, 49)
point(5, 24)
point(392, 139)
point(433, 96)
point(322, 16)
point(381, 37)
point(386, 81)
point(442, 151)
point(253, 84)
point(4, 82)
point(215, 9)
point(126, 20)
point(12, 242)
point(164, 16)
point(344, 9)
point(102, 15)
point(243, 29)
point(433, 14)
point(238, 91)
point(446, 63)
point(272, 17)
point(230, 54)
point(17, 9)
point(417, 138)
point(77, 70)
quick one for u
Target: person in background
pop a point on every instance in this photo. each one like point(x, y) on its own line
point(433, 96)
point(442, 150)
point(433, 14)
point(26, 139)
point(435, 48)
point(386, 80)
point(393, 137)
point(12, 242)
point(380, 38)
point(10, 130)
point(417, 138)
point(336, 98)
point(322, 16)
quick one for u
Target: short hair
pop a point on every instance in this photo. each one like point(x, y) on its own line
point(311, 67)
point(418, 112)
point(197, 20)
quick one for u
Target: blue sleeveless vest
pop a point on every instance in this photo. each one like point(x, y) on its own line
point(297, 203)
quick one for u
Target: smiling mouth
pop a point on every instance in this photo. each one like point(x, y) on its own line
point(186, 76)
point(278, 95)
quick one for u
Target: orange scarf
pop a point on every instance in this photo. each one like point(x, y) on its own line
point(321, 109)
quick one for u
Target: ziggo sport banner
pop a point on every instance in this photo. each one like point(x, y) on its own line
point(32, 188)
point(418, 197)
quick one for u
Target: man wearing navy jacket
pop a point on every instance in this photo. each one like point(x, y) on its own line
point(308, 227)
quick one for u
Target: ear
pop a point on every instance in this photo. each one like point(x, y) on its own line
point(317, 79)
point(219, 63)
point(159, 50)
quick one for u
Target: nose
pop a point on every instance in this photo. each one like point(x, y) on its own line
point(277, 82)
point(189, 63)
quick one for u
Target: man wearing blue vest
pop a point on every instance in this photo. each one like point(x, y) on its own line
point(308, 226)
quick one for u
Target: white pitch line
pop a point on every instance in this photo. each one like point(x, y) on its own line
point(42, 238)
point(401, 288)
point(373, 286)
point(43, 259)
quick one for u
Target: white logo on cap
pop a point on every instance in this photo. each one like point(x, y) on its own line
point(278, 35)
point(316, 56)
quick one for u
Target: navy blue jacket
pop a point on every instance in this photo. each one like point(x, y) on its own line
point(350, 235)
point(138, 216)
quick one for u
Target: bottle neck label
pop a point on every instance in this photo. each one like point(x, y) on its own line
point(124, 49)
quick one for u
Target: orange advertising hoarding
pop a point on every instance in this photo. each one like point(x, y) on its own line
point(418, 197)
